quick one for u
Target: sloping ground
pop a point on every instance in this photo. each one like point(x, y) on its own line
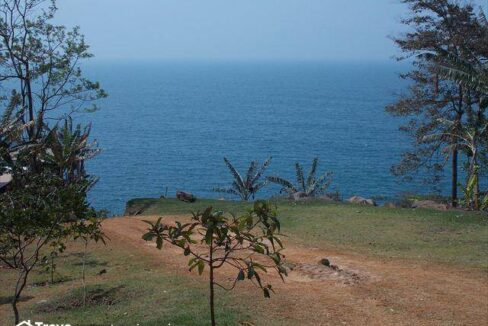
point(362, 290)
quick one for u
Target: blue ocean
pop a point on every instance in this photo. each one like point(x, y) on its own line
point(168, 125)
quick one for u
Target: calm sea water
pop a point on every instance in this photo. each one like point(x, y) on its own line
point(171, 124)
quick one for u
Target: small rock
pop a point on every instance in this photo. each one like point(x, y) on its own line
point(103, 271)
point(325, 261)
point(185, 196)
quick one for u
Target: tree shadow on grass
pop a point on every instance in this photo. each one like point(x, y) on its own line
point(97, 295)
point(8, 299)
point(91, 263)
point(58, 280)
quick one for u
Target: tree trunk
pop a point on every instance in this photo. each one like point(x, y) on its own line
point(477, 195)
point(212, 295)
point(21, 282)
point(83, 275)
point(476, 190)
point(454, 180)
point(16, 311)
point(30, 102)
point(455, 154)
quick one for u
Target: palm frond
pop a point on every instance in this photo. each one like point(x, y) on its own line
point(323, 183)
point(226, 190)
point(262, 170)
point(235, 173)
point(311, 174)
point(453, 68)
point(251, 172)
point(247, 188)
point(300, 177)
point(287, 185)
point(258, 187)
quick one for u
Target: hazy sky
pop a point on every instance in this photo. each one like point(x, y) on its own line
point(236, 29)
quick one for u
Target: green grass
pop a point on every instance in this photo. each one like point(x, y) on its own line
point(141, 289)
point(135, 289)
point(453, 237)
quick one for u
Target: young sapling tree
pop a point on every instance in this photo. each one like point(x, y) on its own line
point(88, 230)
point(248, 244)
point(57, 247)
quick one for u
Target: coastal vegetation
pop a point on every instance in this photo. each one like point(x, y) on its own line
point(311, 186)
point(447, 43)
point(45, 201)
point(246, 187)
point(356, 257)
point(472, 138)
point(130, 282)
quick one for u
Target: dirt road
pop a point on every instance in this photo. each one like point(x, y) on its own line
point(365, 291)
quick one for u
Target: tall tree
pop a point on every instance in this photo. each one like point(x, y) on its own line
point(41, 81)
point(473, 135)
point(437, 26)
point(40, 64)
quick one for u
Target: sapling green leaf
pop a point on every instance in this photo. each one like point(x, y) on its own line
point(237, 242)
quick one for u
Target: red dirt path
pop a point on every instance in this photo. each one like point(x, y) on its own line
point(369, 290)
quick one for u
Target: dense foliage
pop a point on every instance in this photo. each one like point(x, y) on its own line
point(472, 136)
point(436, 27)
point(45, 200)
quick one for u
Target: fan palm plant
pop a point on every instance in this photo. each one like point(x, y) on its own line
point(68, 148)
point(310, 187)
point(246, 188)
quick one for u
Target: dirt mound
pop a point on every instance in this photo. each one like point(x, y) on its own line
point(309, 272)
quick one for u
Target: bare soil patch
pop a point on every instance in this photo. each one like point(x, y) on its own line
point(309, 272)
point(363, 290)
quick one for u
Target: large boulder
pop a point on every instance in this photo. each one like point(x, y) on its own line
point(361, 201)
point(429, 204)
point(185, 196)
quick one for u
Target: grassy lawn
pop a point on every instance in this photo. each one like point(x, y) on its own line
point(453, 237)
point(139, 288)
point(135, 288)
